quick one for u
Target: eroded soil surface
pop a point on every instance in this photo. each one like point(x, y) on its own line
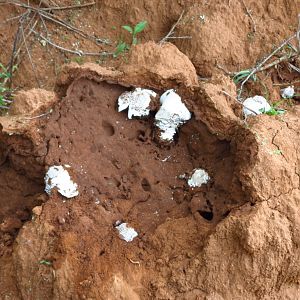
point(236, 237)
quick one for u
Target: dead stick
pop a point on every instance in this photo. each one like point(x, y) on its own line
point(179, 37)
point(30, 58)
point(69, 7)
point(227, 94)
point(77, 52)
point(250, 16)
point(286, 83)
point(17, 52)
point(298, 34)
point(276, 62)
point(171, 32)
point(39, 116)
point(256, 69)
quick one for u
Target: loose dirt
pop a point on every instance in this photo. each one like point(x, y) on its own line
point(236, 237)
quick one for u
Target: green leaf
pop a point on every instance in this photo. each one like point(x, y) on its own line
point(1, 100)
point(238, 77)
point(3, 68)
point(278, 151)
point(128, 28)
point(273, 111)
point(122, 46)
point(3, 89)
point(140, 27)
point(45, 262)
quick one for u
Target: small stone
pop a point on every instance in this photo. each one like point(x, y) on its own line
point(61, 220)
point(37, 210)
point(10, 224)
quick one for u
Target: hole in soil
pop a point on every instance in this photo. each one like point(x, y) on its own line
point(146, 185)
point(109, 129)
point(141, 136)
point(207, 215)
point(117, 164)
point(20, 191)
point(17, 191)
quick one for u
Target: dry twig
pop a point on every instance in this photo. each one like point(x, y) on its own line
point(39, 116)
point(298, 34)
point(261, 64)
point(77, 52)
point(277, 61)
point(30, 58)
point(248, 11)
point(234, 98)
point(69, 7)
point(170, 34)
point(286, 83)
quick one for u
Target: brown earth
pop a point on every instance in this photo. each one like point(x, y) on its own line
point(235, 238)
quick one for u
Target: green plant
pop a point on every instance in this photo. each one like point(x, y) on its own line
point(121, 47)
point(139, 27)
point(274, 110)
point(5, 92)
point(45, 262)
point(240, 76)
point(134, 31)
point(78, 59)
point(277, 151)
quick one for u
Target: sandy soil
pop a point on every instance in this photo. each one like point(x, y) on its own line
point(235, 238)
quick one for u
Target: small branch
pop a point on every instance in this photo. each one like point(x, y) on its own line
point(225, 71)
point(294, 68)
point(77, 52)
point(17, 48)
point(259, 66)
point(179, 37)
point(39, 116)
point(30, 58)
point(6, 101)
point(69, 7)
point(44, 12)
point(286, 83)
point(248, 11)
point(172, 31)
point(227, 94)
point(276, 62)
point(298, 34)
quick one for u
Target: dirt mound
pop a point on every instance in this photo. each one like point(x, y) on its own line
point(237, 40)
point(144, 189)
point(236, 237)
point(160, 63)
point(192, 243)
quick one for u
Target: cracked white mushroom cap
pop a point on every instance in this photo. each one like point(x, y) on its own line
point(257, 104)
point(137, 102)
point(58, 177)
point(171, 114)
point(126, 233)
point(198, 178)
point(288, 92)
